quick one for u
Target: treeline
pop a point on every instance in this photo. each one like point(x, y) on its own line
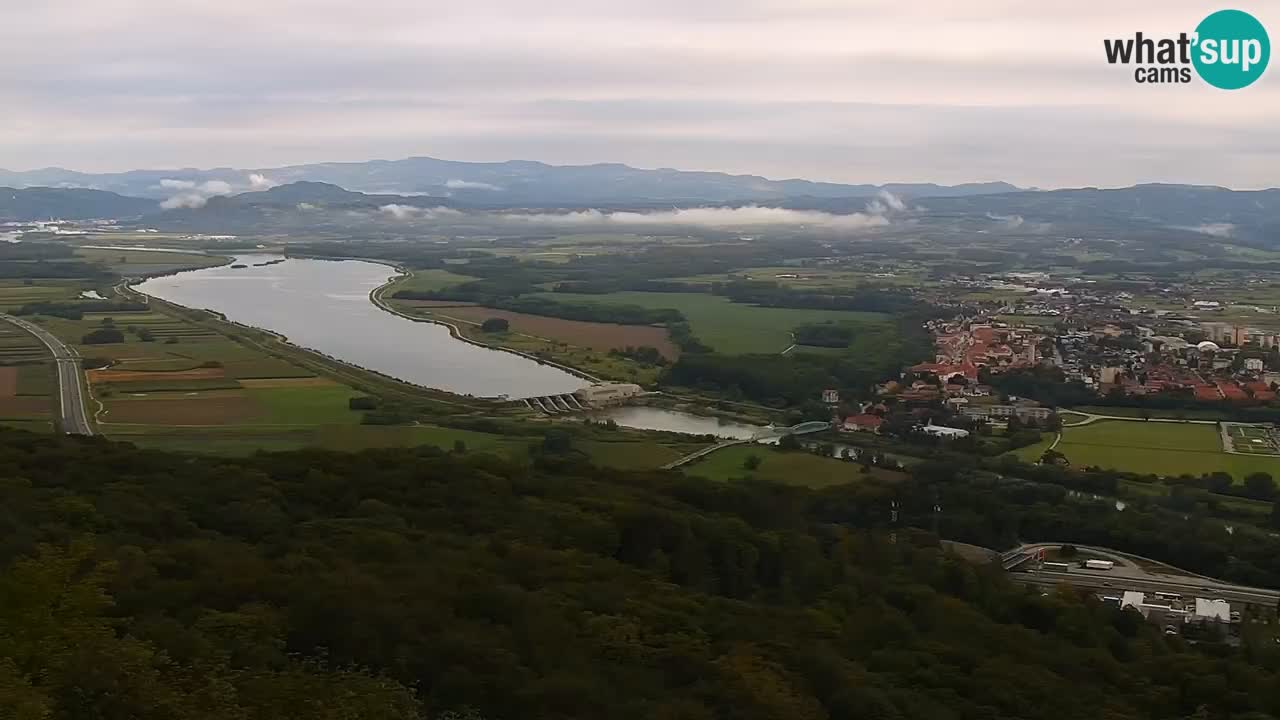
point(76, 310)
point(148, 585)
point(60, 270)
point(823, 335)
point(771, 294)
point(588, 312)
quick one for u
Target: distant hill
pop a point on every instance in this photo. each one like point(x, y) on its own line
point(43, 203)
point(497, 184)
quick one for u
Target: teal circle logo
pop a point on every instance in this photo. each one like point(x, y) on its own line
point(1231, 49)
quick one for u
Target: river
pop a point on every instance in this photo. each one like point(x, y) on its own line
point(324, 305)
point(650, 418)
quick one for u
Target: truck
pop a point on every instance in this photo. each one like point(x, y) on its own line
point(1099, 564)
point(1055, 566)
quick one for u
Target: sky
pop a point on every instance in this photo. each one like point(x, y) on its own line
point(839, 90)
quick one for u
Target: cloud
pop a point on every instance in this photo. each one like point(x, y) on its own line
point(1218, 230)
point(185, 200)
point(893, 201)
point(196, 195)
point(712, 217)
point(1009, 222)
point(470, 185)
point(409, 212)
point(258, 181)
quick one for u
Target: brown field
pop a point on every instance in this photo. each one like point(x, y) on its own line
point(25, 406)
point(597, 336)
point(198, 409)
point(298, 382)
point(8, 382)
point(122, 376)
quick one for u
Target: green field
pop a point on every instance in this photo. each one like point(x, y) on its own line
point(1160, 448)
point(732, 328)
point(430, 279)
point(132, 263)
point(789, 468)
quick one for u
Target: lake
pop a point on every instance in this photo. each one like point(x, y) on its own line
point(324, 305)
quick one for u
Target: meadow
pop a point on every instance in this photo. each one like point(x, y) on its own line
point(728, 327)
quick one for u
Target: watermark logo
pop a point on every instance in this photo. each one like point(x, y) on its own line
point(1229, 50)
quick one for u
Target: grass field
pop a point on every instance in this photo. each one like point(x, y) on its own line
point(731, 328)
point(430, 279)
point(1160, 448)
point(790, 468)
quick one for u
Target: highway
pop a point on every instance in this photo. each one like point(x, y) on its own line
point(73, 418)
point(1117, 584)
point(1127, 574)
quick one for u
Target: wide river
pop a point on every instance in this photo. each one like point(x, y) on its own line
point(324, 305)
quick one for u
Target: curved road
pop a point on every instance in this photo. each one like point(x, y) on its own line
point(72, 416)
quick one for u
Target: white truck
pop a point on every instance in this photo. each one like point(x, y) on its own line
point(1099, 564)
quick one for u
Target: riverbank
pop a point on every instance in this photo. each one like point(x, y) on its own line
point(375, 296)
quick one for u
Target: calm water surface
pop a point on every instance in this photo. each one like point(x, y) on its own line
point(648, 418)
point(324, 305)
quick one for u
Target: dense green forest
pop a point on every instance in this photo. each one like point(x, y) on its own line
point(416, 583)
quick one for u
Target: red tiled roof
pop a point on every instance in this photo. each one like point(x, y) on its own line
point(865, 420)
point(1204, 392)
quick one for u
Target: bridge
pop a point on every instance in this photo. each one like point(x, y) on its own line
point(768, 433)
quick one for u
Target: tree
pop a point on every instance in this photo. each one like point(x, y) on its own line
point(495, 325)
point(789, 442)
point(1260, 486)
point(1068, 551)
point(459, 446)
point(557, 441)
point(752, 462)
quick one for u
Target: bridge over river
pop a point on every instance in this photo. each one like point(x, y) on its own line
point(766, 433)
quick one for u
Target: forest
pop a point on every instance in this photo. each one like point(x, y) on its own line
point(420, 583)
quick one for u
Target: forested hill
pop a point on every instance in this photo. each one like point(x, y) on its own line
point(420, 584)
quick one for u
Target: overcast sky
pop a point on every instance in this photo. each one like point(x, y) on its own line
point(844, 90)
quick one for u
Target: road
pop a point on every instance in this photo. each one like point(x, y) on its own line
point(1130, 575)
point(73, 418)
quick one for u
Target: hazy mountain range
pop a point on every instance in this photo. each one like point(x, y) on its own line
point(466, 195)
point(511, 183)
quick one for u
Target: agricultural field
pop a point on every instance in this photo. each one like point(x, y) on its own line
point(1160, 448)
point(139, 263)
point(732, 328)
point(786, 467)
point(597, 336)
point(26, 396)
point(16, 293)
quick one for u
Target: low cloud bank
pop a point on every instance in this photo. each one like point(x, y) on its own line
point(1218, 230)
point(410, 212)
point(470, 185)
point(712, 217)
point(190, 194)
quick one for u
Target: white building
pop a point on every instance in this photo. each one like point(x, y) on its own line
point(944, 432)
point(1212, 610)
point(602, 394)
